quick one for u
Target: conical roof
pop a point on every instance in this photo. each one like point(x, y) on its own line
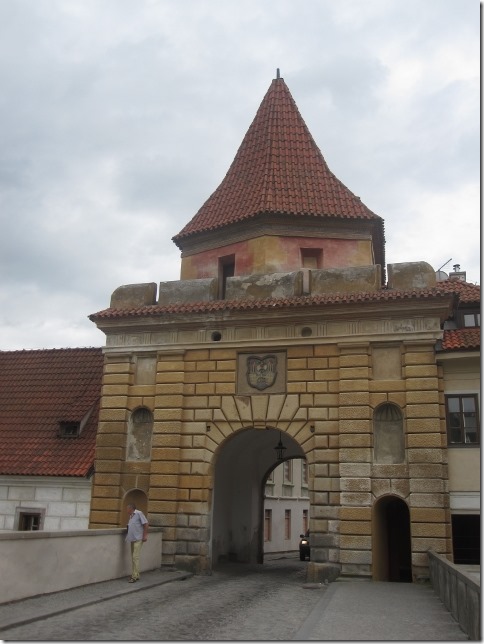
point(278, 169)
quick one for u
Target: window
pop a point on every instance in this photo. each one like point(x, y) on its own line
point(305, 521)
point(471, 319)
point(304, 474)
point(466, 538)
point(69, 429)
point(268, 525)
point(269, 487)
point(468, 317)
point(287, 524)
point(287, 472)
point(226, 269)
point(462, 419)
point(311, 258)
point(29, 521)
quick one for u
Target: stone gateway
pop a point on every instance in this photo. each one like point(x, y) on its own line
point(281, 327)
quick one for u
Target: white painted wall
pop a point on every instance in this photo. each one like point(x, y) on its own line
point(64, 501)
point(36, 563)
point(279, 498)
point(462, 376)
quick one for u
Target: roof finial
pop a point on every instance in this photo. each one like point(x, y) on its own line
point(278, 73)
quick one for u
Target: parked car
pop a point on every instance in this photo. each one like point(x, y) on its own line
point(304, 547)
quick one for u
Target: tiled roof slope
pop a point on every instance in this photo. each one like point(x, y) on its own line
point(468, 338)
point(271, 303)
point(468, 293)
point(38, 389)
point(461, 339)
point(277, 169)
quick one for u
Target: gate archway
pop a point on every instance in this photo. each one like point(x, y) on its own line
point(243, 462)
point(392, 554)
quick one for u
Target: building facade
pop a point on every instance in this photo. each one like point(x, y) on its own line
point(49, 405)
point(286, 326)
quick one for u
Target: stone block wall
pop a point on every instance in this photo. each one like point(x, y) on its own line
point(328, 408)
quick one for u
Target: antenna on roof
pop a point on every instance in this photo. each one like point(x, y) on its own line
point(440, 276)
point(278, 73)
point(449, 260)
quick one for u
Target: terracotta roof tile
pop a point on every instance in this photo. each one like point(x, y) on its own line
point(461, 339)
point(468, 293)
point(38, 389)
point(277, 169)
point(269, 303)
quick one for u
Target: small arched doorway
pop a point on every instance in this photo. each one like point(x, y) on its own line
point(139, 499)
point(241, 468)
point(392, 552)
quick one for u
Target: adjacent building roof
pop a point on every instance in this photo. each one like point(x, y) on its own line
point(468, 293)
point(39, 389)
point(462, 339)
point(278, 169)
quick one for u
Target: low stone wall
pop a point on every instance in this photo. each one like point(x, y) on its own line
point(459, 593)
point(36, 563)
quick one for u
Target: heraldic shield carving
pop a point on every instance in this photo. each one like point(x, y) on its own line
point(261, 372)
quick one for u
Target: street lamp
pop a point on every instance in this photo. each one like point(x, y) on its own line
point(280, 448)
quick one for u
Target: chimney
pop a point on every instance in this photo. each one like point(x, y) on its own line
point(457, 274)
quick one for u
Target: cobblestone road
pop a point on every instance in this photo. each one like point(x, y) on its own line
point(240, 602)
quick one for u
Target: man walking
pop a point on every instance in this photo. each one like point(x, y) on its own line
point(137, 533)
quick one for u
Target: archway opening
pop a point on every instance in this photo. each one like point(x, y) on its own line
point(392, 552)
point(243, 463)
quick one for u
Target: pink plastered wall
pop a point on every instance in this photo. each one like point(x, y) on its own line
point(271, 254)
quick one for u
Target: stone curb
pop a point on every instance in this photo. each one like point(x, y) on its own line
point(97, 594)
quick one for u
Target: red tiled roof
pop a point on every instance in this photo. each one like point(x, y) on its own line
point(468, 293)
point(278, 169)
point(269, 303)
point(38, 389)
point(461, 339)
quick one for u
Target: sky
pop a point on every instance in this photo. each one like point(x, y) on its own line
point(119, 118)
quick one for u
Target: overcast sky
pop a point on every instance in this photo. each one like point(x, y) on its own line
point(118, 118)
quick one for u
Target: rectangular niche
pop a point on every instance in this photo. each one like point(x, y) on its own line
point(261, 373)
point(387, 363)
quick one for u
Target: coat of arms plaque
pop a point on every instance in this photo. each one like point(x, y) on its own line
point(261, 372)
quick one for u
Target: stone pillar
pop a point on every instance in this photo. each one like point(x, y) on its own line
point(355, 460)
point(324, 462)
point(111, 443)
point(427, 457)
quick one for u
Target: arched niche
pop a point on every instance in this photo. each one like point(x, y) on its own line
point(139, 499)
point(389, 439)
point(140, 430)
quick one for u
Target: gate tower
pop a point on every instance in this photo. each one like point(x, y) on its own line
point(282, 326)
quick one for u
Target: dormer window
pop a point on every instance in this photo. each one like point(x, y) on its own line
point(70, 429)
point(468, 318)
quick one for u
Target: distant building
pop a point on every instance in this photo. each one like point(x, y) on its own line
point(49, 413)
point(286, 506)
point(458, 357)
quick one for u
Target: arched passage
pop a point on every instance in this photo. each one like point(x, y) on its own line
point(243, 462)
point(392, 555)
